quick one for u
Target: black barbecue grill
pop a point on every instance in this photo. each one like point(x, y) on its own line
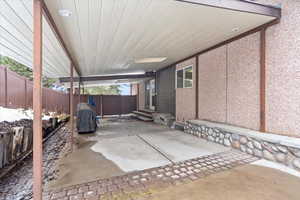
point(86, 118)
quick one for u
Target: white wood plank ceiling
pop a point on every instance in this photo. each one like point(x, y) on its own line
point(107, 36)
point(16, 38)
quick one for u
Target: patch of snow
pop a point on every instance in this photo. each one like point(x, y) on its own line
point(281, 167)
point(11, 115)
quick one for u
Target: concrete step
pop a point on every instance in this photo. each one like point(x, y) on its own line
point(145, 119)
point(148, 111)
point(143, 114)
point(179, 126)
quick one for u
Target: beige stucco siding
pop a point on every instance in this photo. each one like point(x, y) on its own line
point(229, 79)
point(229, 83)
point(243, 92)
point(134, 89)
point(283, 72)
point(141, 95)
point(212, 85)
point(186, 97)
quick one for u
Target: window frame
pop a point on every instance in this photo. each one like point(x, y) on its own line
point(183, 78)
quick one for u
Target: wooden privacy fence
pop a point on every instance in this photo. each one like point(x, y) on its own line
point(110, 104)
point(16, 92)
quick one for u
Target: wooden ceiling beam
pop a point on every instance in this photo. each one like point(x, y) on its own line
point(239, 5)
point(108, 77)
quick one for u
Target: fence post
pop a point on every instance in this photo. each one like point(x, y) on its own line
point(45, 99)
point(25, 86)
point(79, 91)
point(72, 105)
point(102, 113)
point(121, 103)
point(137, 97)
point(63, 106)
point(5, 88)
point(37, 101)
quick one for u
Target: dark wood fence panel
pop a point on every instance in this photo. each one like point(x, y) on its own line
point(15, 90)
point(110, 104)
point(29, 93)
point(2, 86)
point(19, 93)
point(63, 102)
point(129, 104)
point(98, 101)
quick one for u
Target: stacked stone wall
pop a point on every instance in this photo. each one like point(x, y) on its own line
point(276, 152)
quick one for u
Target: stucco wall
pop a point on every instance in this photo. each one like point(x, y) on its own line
point(283, 72)
point(212, 85)
point(243, 92)
point(133, 89)
point(229, 83)
point(185, 97)
point(242, 105)
point(141, 95)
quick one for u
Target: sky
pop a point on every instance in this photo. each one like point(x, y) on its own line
point(125, 89)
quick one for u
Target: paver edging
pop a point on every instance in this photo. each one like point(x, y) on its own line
point(141, 182)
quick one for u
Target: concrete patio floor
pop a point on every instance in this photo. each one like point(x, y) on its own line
point(132, 160)
point(121, 146)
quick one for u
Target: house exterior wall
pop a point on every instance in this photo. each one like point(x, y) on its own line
point(186, 97)
point(283, 72)
point(133, 89)
point(229, 80)
point(243, 87)
point(166, 93)
point(141, 94)
point(243, 90)
point(229, 83)
point(212, 85)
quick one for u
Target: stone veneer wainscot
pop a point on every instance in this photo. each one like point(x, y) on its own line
point(276, 148)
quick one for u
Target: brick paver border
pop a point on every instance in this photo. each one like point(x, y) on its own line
point(129, 185)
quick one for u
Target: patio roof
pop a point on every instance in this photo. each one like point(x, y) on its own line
point(108, 37)
point(111, 37)
point(16, 41)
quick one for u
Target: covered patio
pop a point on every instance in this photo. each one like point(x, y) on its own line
point(136, 146)
point(130, 159)
point(90, 43)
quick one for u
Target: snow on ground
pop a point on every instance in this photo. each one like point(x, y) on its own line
point(11, 115)
point(283, 168)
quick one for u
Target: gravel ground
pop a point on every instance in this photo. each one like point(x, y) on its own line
point(17, 185)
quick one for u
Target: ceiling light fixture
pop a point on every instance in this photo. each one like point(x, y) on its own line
point(236, 29)
point(65, 13)
point(150, 60)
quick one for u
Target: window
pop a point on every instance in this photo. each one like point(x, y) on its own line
point(180, 79)
point(188, 77)
point(184, 77)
